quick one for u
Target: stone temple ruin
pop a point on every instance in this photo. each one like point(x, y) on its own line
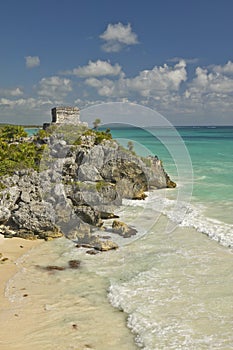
point(65, 115)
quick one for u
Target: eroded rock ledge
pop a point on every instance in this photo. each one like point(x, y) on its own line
point(76, 188)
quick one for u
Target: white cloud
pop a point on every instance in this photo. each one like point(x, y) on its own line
point(117, 36)
point(105, 87)
point(87, 103)
point(226, 69)
point(149, 83)
point(211, 81)
point(96, 69)
point(210, 92)
point(159, 80)
point(54, 87)
point(11, 92)
point(93, 82)
point(32, 61)
point(167, 88)
point(29, 103)
point(31, 110)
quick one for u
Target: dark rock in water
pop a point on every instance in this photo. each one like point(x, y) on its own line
point(74, 264)
point(83, 245)
point(92, 241)
point(105, 246)
point(105, 215)
point(54, 267)
point(122, 229)
point(140, 196)
point(76, 230)
point(92, 252)
point(170, 183)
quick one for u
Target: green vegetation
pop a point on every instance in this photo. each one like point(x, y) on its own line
point(2, 186)
point(100, 136)
point(19, 156)
point(12, 133)
point(15, 152)
point(96, 136)
point(101, 184)
point(41, 134)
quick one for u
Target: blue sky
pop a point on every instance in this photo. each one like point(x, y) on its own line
point(174, 56)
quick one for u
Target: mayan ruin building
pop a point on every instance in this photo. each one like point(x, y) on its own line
point(65, 115)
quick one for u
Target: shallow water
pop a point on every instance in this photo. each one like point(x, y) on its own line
point(175, 289)
point(183, 297)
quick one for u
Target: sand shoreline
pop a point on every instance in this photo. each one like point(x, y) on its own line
point(11, 249)
point(87, 320)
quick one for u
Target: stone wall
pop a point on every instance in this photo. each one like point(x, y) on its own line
point(65, 115)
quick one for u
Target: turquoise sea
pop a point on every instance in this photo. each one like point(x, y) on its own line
point(31, 131)
point(211, 152)
point(168, 289)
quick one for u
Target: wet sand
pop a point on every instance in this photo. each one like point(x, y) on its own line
point(63, 310)
point(10, 250)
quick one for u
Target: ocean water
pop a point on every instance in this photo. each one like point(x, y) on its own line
point(166, 289)
point(31, 131)
point(210, 208)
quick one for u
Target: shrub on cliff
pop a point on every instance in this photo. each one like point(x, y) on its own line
point(12, 132)
point(16, 153)
point(97, 136)
point(18, 156)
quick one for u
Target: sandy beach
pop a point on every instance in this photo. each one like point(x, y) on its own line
point(53, 317)
point(10, 250)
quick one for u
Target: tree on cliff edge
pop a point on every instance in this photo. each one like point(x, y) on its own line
point(96, 123)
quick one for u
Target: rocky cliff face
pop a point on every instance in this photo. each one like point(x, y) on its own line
point(76, 188)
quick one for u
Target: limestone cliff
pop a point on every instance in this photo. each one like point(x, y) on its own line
point(77, 186)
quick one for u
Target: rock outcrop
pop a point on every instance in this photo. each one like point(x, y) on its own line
point(76, 188)
point(123, 229)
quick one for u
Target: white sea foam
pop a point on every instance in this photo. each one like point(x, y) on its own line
point(187, 215)
point(181, 301)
